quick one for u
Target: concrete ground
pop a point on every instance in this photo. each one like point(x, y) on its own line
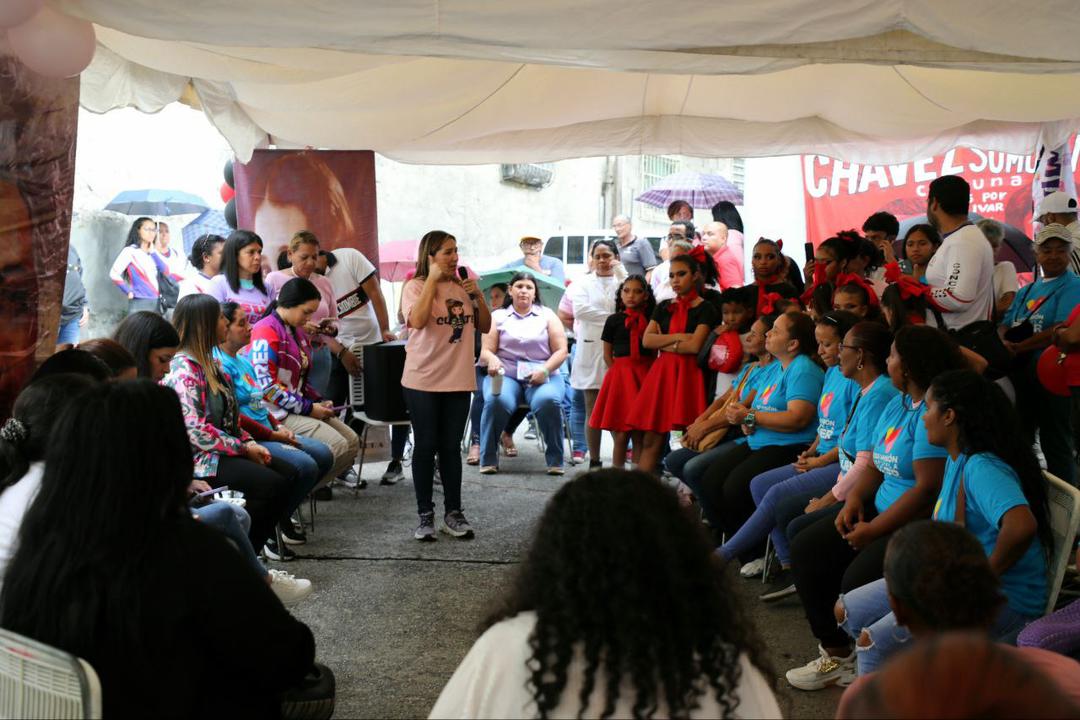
point(393, 617)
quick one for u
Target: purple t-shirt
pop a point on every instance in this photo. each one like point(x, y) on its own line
point(522, 338)
point(250, 298)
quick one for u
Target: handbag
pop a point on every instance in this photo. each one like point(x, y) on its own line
point(981, 337)
point(168, 291)
point(713, 438)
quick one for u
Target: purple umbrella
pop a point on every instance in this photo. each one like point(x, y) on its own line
point(701, 190)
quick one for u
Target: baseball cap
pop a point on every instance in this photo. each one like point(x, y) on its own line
point(530, 239)
point(1053, 231)
point(1056, 202)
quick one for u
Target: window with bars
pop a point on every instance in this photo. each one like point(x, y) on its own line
point(655, 168)
point(738, 173)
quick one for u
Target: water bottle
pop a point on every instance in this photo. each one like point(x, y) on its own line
point(496, 382)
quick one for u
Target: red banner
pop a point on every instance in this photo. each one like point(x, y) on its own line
point(841, 195)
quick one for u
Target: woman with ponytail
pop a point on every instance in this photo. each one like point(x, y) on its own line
point(770, 272)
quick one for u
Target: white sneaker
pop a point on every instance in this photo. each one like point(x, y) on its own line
point(823, 671)
point(289, 588)
point(753, 569)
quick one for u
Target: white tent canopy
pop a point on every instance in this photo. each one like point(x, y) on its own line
point(471, 81)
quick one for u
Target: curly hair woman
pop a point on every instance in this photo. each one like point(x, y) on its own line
point(675, 644)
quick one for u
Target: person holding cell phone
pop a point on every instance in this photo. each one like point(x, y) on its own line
point(524, 347)
point(281, 353)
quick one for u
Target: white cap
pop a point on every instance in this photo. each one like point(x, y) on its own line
point(1053, 231)
point(1056, 202)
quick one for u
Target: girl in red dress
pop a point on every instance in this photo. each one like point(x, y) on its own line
point(673, 393)
point(628, 364)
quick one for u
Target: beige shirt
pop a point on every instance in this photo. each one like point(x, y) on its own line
point(441, 355)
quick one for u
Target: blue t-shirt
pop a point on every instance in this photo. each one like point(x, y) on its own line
point(248, 395)
point(837, 396)
point(899, 440)
point(991, 489)
point(1048, 301)
point(755, 372)
point(858, 435)
point(777, 386)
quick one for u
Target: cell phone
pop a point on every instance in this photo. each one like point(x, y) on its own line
point(808, 248)
point(339, 408)
point(200, 499)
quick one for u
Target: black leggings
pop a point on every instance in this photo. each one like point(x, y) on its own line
point(266, 489)
point(824, 565)
point(725, 486)
point(438, 422)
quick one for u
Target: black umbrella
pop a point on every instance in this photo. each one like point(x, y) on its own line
point(1015, 247)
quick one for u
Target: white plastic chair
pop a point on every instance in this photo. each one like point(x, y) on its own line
point(1064, 503)
point(38, 681)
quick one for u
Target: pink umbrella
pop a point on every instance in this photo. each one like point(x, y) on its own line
point(396, 259)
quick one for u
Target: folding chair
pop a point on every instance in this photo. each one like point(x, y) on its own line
point(1064, 503)
point(39, 681)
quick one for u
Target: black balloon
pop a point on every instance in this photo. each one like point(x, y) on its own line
point(229, 174)
point(230, 213)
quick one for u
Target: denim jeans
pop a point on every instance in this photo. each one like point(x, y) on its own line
point(688, 465)
point(234, 522)
point(574, 406)
point(544, 401)
point(312, 461)
point(768, 489)
point(867, 608)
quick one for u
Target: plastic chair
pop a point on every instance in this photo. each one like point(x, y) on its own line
point(39, 681)
point(1064, 503)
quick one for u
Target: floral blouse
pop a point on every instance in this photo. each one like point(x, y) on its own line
point(208, 441)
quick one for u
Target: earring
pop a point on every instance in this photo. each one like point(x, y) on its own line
point(860, 365)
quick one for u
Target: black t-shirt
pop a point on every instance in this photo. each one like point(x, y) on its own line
point(616, 333)
point(704, 314)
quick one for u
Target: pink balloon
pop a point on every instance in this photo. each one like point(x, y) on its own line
point(16, 12)
point(54, 45)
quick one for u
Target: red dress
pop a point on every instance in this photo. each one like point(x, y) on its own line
point(673, 393)
point(619, 392)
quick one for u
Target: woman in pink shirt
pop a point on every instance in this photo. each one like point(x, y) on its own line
point(442, 313)
point(303, 253)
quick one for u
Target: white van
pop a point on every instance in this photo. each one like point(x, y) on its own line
point(572, 247)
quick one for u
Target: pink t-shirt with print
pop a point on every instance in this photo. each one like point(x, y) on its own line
point(440, 356)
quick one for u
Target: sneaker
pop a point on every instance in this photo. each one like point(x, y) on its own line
point(351, 480)
point(823, 671)
point(296, 522)
point(281, 554)
point(393, 475)
point(781, 585)
point(577, 457)
point(290, 535)
point(753, 569)
point(289, 588)
point(530, 432)
point(425, 531)
point(323, 494)
point(454, 523)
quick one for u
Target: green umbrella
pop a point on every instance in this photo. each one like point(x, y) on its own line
point(551, 290)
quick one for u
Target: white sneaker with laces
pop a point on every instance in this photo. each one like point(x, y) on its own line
point(289, 588)
point(823, 671)
point(752, 569)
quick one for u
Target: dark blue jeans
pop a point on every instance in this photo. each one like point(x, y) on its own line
point(438, 422)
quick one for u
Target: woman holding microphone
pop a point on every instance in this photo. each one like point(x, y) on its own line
point(443, 310)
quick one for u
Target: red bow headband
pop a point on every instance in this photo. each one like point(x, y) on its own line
point(768, 303)
point(698, 253)
point(852, 279)
point(779, 243)
point(909, 286)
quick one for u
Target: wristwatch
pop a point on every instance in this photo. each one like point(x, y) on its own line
point(750, 421)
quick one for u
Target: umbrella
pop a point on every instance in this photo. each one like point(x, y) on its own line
point(1016, 247)
point(396, 259)
point(211, 222)
point(701, 190)
point(551, 290)
point(157, 203)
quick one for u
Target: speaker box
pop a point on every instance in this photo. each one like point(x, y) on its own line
point(383, 365)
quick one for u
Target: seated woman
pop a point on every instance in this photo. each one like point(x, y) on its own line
point(779, 424)
point(814, 471)
point(146, 600)
point(495, 296)
point(120, 362)
point(676, 641)
point(151, 340)
point(225, 455)
point(994, 487)
point(697, 453)
point(280, 352)
point(524, 349)
point(841, 547)
point(922, 564)
point(311, 458)
point(24, 439)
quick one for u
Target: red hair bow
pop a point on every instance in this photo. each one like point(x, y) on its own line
point(853, 279)
point(768, 303)
point(909, 286)
point(698, 253)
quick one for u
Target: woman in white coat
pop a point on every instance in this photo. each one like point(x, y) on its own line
point(593, 298)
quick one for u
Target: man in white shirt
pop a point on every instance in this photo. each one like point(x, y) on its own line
point(1060, 207)
point(961, 273)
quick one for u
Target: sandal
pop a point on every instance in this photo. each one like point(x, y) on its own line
point(474, 455)
point(508, 446)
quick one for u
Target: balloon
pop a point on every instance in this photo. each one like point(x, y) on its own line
point(230, 213)
point(227, 193)
point(53, 45)
point(16, 12)
point(229, 174)
point(1051, 373)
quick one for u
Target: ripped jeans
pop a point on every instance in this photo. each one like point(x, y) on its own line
point(867, 608)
